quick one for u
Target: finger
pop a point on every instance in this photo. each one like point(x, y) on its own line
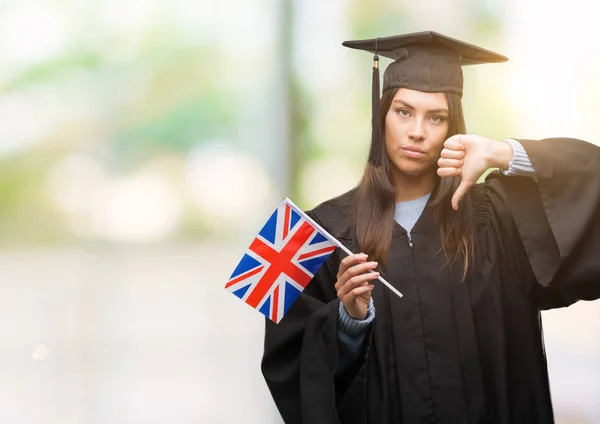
point(452, 154)
point(360, 269)
point(355, 282)
point(350, 297)
point(357, 269)
point(450, 163)
point(460, 193)
point(449, 172)
point(454, 143)
point(353, 271)
point(350, 261)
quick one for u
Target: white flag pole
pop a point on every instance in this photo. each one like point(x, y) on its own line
point(334, 240)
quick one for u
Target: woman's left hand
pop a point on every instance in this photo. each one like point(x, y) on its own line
point(468, 157)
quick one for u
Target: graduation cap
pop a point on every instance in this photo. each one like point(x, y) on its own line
point(423, 61)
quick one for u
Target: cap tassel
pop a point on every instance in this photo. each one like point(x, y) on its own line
point(374, 158)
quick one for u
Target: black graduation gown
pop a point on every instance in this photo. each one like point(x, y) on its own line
point(451, 352)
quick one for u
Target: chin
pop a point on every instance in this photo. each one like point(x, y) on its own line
point(414, 169)
point(413, 172)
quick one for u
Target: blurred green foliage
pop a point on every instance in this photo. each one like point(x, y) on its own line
point(126, 101)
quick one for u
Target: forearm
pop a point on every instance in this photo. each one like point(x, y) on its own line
point(500, 154)
point(350, 335)
point(512, 159)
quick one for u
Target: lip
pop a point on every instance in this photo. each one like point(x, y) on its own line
point(413, 152)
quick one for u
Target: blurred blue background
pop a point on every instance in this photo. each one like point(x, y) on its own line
point(144, 142)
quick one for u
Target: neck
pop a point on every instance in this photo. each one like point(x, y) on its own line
point(409, 187)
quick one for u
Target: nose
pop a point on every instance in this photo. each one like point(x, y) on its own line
point(417, 131)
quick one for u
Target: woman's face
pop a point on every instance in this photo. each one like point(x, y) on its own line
point(416, 127)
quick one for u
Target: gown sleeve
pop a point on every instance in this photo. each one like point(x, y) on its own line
point(301, 355)
point(558, 217)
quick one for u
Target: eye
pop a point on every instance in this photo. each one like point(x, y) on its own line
point(436, 119)
point(403, 113)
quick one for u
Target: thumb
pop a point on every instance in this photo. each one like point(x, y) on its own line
point(460, 193)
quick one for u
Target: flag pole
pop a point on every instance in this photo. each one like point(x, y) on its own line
point(334, 240)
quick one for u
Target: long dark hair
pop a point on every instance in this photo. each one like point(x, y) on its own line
point(375, 202)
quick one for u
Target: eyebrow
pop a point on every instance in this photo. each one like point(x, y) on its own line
point(409, 106)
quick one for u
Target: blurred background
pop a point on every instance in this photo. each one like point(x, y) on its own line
point(144, 142)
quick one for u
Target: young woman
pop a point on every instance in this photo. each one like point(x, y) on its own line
point(475, 262)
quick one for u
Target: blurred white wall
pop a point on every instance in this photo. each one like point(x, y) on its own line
point(128, 336)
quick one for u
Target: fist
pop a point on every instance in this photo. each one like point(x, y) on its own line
point(468, 157)
point(352, 286)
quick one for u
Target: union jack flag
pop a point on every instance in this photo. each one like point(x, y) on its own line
point(280, 262)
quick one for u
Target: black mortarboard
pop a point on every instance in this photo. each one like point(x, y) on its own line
point(423, 61)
